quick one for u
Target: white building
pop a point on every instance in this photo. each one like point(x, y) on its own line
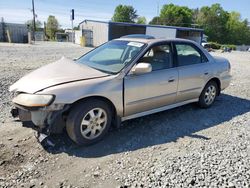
point(99, 32)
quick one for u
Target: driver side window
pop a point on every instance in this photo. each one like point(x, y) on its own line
point(159, 57)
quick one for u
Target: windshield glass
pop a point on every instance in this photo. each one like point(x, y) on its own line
point(112, 57)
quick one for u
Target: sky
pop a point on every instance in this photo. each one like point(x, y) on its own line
point(19, 11)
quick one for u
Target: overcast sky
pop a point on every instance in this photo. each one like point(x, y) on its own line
point(19, 11)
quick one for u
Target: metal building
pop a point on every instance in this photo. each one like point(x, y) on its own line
point(99, 32)
point(11, 32)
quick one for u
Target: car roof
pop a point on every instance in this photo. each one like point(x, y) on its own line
point(141, 36)
point(150, 41)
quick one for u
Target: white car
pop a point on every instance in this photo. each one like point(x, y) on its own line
point(123, 79)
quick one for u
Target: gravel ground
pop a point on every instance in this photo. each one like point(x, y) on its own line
point(182, 147)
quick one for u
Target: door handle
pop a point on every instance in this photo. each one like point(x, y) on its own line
point(206, 72)
point(171, 80)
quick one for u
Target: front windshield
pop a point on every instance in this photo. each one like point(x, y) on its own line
point(112, 57)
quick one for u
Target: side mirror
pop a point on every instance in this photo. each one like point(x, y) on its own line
point(142, 68)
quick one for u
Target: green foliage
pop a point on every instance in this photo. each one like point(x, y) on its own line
point(215, 45)
point(76, 27)
point(156, 21)
point(222, 26)
point(52, 27)
point(231, 46)
point(219, 25)
point(218, 46)
point(238, 31)
point(213, 20)
point(124, 13)
point(176, 15)
point(141, 20)
point(29, 24)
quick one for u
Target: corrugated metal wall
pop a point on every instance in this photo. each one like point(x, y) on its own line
point(39, 36)
point(104, 31)
point(161, 32)
point(190, 35)
point(78, 35)
point(18, 32)
point(1, 33)
point(117, 30)
point(100, 31)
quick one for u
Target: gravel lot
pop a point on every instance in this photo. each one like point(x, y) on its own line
point(183, 147)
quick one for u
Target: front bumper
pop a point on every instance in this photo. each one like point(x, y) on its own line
point(23, 115)
point(47, 120)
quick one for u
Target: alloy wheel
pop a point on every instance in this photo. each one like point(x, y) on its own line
point(93, 123)
point(210, 94)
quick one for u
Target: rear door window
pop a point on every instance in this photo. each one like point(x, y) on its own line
point(188, 55)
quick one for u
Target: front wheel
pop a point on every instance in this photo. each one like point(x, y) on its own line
point(208, 95)
point(88, 121)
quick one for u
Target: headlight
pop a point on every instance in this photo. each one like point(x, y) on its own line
point(33, 100)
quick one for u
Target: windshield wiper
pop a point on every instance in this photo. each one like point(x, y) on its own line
point(101, 70)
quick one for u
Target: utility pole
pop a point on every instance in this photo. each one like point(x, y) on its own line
point(72, 17)
point(158, 12)
point(34, 19)
point(44, 30)
point(72, 34)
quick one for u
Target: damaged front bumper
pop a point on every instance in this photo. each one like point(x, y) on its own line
point(49, 119)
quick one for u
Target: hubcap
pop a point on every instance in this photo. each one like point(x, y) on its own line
point(93, 123)
point(210, 95)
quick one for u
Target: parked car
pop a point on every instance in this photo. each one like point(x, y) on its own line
point(122, 79)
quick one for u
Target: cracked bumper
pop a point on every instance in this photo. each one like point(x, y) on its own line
point(48, 119)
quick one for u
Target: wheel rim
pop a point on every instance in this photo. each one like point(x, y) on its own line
point(93, 123)
point(210, 95)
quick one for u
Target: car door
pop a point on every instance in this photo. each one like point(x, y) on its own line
point(154, 89)
point(194, 69)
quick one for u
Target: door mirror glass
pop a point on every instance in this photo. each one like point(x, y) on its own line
point(142, 68)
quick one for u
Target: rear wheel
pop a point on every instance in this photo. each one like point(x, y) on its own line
point(208, 95)
point(88, 121)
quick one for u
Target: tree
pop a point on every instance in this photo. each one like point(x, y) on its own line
point(76, 28)
point(176, 15)
point(195, 15)
point(141, 20)
point(156, 21)
point(51, 27)
point(29, 24)
point(238, 31)
point(213, 20)
point(222, 26)
point(124, 13)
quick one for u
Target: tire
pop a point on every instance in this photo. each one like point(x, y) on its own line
point(208, 95)
point(88, 121)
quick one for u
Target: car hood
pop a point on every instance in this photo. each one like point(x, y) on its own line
point(59, 72)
